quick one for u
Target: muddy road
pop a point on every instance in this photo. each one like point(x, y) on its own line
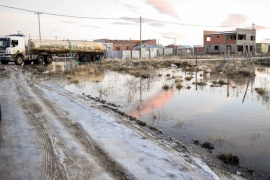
point(39, 141)
point(49, 133)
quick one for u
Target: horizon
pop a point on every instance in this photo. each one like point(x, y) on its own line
point(167, 21)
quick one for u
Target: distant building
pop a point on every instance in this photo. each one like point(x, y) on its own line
point(199, 49)
point(181, 49)
point(238, 41)
point(262, 48)
point(146, 47)
point(120, 45)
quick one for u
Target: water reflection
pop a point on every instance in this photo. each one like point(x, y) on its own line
point(229, 113)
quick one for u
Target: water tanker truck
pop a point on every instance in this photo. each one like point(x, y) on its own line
point(13, 48)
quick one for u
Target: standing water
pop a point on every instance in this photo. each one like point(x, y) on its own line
point(229, 113)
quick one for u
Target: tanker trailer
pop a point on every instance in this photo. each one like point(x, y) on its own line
point(85, 51)
point(14, 49)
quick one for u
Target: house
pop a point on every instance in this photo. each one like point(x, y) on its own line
point(181, 49)
point(120, 45)
point(238, 41)
point(184, 49)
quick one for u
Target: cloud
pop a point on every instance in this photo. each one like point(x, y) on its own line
point(153, 23)
point(69, 21)
point(84, 25)
point(258, 28)
point(131, 7)
point(164, 7)
point(235, 20)
point(123, 23)
point(266, 40)
point(171, 35)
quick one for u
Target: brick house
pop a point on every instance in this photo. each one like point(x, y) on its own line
point(238, 41)
point(120, 45)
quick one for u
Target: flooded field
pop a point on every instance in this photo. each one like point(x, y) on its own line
point(229, 113)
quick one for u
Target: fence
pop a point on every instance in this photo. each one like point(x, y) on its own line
point(135, 54)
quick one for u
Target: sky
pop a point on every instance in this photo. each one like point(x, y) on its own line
point(168, 21)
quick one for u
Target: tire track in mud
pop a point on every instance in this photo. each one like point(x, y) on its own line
point(90, 147)
point(53, 169)
point(101, 159)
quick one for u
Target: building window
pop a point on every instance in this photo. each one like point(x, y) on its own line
point(229, 48)
point(216, 48)
point(117, 48)
point(241, 37)
point(208, 38)
point(252, 38)
point(251, 48)
point(231, 37)
point(240, 48)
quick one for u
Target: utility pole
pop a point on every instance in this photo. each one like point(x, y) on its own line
point(38, 13)
point(254, 39)
point(140, 37)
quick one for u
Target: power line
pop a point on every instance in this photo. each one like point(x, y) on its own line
point(122, 18)
point(63, 15)
point(183, 24)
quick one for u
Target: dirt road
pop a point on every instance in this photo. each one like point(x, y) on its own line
point(49, 145)
point(49, 133)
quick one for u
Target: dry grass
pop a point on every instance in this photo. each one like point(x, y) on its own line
point(74, 80)
point(178, 80)
point(178, 86)
point(260, 91)
point(201, 83)
point(188, 78)
point(165, 87)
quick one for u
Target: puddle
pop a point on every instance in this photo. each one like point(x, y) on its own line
point(230, 115)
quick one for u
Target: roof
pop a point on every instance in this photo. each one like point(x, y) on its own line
point(184, 47)
point(218, 32)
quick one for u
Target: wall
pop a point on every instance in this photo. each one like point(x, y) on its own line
point(135, 54)
point(262, 48)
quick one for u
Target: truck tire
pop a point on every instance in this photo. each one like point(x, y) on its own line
point(49, 59)
point(40, 59)
point(19, 60)
point(86, 58)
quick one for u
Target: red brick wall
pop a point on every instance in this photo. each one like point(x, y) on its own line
point(120, 45)
point(217, 39)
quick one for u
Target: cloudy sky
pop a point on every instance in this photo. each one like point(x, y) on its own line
point(168, 21)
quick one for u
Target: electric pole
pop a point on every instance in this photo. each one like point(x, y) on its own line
point(140, 37)
point(38, 13)
point(254, 39)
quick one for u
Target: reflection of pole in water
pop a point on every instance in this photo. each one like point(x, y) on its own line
point(196, 80)
point(228, 88)
point(246, 90)
point(140, 88)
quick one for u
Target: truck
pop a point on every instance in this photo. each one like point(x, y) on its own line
point(14, 48)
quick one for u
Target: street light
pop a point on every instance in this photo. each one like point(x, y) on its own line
point(38, 13)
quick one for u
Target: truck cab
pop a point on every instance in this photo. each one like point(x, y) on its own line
point(12, 49)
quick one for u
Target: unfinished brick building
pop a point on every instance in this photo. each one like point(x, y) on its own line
point(239, 41)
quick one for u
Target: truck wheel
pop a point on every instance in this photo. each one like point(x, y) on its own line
point(49, 59)
point(4, 62)
point(19, 60)
point(40, 60)
point(85, 58)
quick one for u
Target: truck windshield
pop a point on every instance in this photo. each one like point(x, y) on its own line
point(4, 42)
